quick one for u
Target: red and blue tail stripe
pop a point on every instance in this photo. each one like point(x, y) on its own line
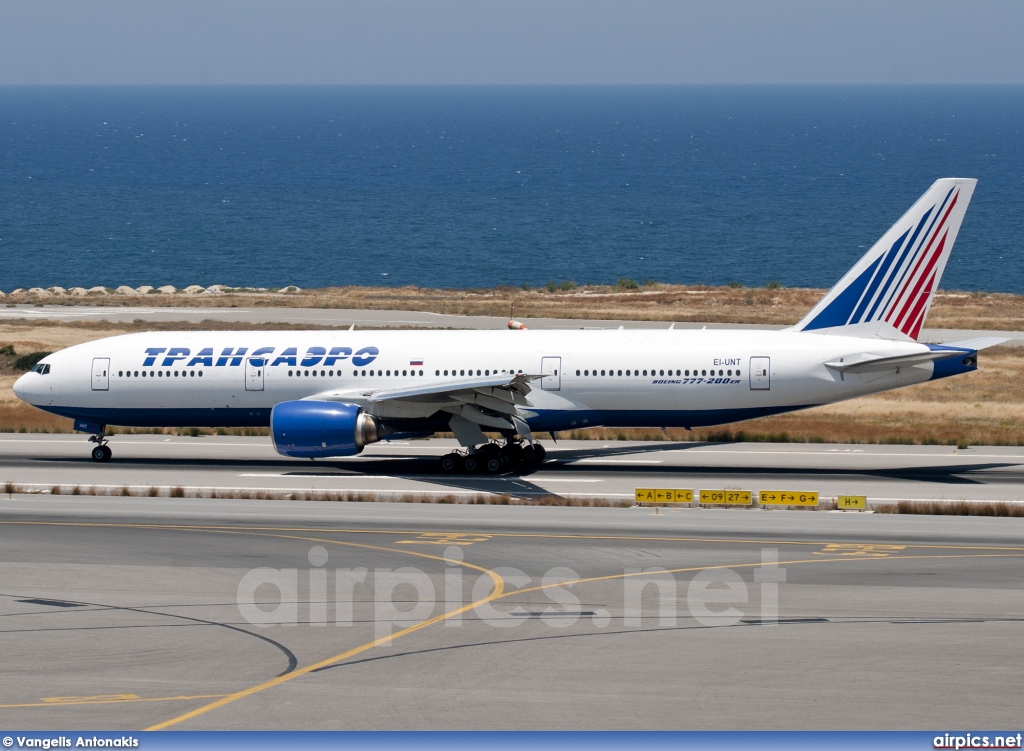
point(892, 286)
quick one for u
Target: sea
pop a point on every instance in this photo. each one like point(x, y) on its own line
point(467, 187)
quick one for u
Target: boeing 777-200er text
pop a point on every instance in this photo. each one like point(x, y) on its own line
point(329, 393)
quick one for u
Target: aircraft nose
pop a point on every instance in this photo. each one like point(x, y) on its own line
point(21, 388)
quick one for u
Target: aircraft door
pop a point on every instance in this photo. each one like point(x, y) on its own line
point(101, 374)
point(760, 374)
point(254, 367)
point(551, 369)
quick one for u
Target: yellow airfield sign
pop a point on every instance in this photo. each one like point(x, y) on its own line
point(663, 495)
point(788, 498)
point(730, 497)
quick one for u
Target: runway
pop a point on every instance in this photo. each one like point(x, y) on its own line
point(395, 318)
point(128, 613)
point(587, 469)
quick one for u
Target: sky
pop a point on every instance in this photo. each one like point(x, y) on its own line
point(511, 42)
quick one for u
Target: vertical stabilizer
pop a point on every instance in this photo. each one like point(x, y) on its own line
point(891, 288)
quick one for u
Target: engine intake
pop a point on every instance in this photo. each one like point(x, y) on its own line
point(312, 429)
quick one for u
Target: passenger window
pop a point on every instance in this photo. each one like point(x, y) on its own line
point(703, 372)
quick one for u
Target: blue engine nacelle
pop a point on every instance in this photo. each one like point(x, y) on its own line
point(309, 429)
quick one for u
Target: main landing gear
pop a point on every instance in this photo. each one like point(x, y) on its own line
point(102, 452)
point(493, 458)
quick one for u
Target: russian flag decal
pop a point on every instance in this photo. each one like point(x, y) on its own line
point(416, 363)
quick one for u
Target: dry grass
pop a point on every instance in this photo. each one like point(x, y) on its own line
point(655, 301)
point(329, 496)
point(981, 408)
point(953, 508)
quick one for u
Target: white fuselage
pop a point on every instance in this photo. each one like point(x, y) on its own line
point(680, 377)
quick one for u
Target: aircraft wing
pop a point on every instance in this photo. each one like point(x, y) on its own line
point(500, 392)
point(482, 401)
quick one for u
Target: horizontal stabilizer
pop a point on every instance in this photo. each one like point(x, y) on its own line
point(981, 342)
point(867, 363)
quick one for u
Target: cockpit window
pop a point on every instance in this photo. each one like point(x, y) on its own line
point(41, 368)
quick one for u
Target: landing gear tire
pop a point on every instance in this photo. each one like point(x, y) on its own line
point(492, 465)
point(471, 464)
point(541, 452)
point(102, 453)
point(488, 450)
point(451, 463)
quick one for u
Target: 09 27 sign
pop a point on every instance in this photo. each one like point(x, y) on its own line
point(726, 497)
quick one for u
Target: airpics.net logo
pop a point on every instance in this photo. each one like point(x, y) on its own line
point(978, 740)
point(396, 598)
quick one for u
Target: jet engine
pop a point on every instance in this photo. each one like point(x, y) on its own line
point(312, 429)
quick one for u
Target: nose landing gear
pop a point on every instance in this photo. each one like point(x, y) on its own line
point(102, 452)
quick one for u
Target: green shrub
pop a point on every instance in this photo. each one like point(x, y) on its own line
point(25, 363)
point(624, 283)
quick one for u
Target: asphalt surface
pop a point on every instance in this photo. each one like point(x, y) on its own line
point(574, 469)
point(127, 613)
point(393, 318)
point(152, 612)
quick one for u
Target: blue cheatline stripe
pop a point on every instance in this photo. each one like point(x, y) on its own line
point(837, 313)
point(557, 420)
point(887, 259)
point(897, 288)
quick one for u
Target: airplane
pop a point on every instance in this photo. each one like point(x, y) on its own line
point(327, 394)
